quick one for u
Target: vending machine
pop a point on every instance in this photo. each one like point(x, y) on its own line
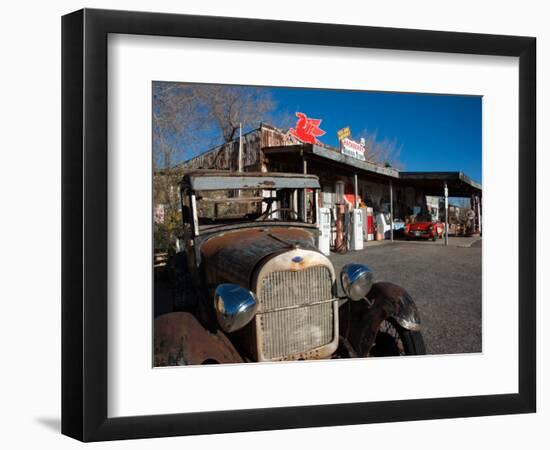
point(356, 229)
point(324, 230)
point(368, 223)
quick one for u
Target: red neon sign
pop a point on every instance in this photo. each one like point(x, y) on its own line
point(307, 129)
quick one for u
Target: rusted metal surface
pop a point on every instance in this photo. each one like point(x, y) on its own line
point(360, 322)
point(232, 256)
point(181, 340)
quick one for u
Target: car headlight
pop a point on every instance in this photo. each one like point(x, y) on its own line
point(235, 306)
point(356, 280)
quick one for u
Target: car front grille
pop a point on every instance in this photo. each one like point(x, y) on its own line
point(296, 312)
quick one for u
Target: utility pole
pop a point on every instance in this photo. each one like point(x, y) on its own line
point(240, 155)
point(446, 215)
point(240, 162)
point(391, 210)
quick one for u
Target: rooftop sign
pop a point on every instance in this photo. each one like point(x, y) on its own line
point(343, 133)
point(307, 129)
point(353, 149)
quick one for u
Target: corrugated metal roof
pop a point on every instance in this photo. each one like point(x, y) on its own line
point(441, 177)
point(334, 155)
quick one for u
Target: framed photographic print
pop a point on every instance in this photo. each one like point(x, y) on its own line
point(273, 224)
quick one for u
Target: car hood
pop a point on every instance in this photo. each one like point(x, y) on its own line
point(420, 226)
point(231, 257)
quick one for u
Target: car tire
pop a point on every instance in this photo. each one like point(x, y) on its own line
point(413, 342)
point(386, 343)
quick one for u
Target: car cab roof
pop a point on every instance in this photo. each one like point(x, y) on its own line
point(211, 180)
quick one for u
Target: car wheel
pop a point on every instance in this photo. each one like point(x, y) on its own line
point(394, 340)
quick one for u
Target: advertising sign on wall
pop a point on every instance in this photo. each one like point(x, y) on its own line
point(353, 149)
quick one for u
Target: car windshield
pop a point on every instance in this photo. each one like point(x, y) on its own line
point(424, 217)
point(220, 207)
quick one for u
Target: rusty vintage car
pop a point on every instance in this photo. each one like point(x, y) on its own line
point(258, 289)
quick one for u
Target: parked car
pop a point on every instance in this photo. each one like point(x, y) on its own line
point(424, 228)
point(254, 287)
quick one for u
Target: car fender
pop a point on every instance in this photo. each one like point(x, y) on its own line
point(360, 320)
point(181, 340)
point(397, 303)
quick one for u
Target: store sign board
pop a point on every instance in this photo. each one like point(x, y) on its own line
point(343, 133)
point(353, 149)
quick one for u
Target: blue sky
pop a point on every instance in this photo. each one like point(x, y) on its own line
point(436, 132)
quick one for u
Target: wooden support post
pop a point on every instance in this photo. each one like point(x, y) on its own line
point(479, 214)
point(304, 193)
point(355, 191)
point(473, 207)
point(317, 215)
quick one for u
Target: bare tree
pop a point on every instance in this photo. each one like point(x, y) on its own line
point(385, 151)
point(282, 119)
point(191, 117)
point(230, 106)
point(176, 118)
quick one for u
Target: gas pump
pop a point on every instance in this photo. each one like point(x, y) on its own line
point(324, 230)
point(356, 229)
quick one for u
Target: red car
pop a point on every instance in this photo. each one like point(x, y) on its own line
point(424, 230)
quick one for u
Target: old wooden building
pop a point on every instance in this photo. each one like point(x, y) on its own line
point(384, 189)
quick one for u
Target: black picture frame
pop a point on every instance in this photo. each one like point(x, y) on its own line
point(84, 224)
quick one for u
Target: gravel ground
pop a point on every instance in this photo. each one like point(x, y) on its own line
point(445, 283)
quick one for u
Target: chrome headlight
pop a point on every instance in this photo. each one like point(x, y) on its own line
point(356, 280)
point(235, 306)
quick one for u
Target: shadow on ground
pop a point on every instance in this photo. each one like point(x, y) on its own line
point(52, 423)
